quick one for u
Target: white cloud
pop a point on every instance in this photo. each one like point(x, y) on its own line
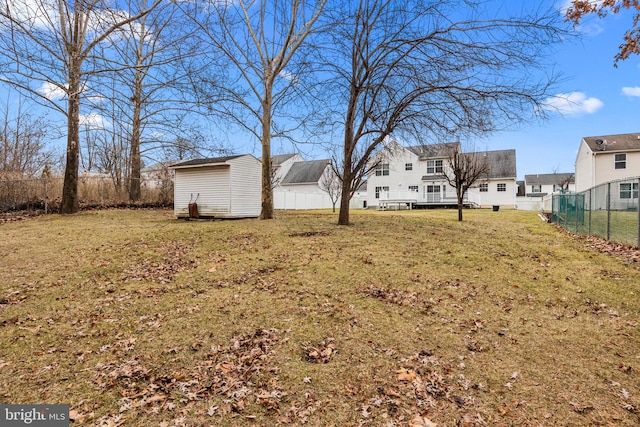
point(52, 91)
point(288, 76)
point(572, 104)
point(631, 91)
point(93, 121)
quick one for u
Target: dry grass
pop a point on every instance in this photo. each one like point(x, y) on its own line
point(406, 318)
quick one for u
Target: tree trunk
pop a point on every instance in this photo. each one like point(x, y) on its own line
point(70, 203)
point(343, 215)
point(134, 154)
point(267, 191)
point(460, 206)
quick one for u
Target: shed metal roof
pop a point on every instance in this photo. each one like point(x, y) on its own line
point(205, 161)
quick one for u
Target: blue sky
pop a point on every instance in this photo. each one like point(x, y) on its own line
point(605, 100)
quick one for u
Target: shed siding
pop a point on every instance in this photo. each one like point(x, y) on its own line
point(246, 187)
point(212, 184)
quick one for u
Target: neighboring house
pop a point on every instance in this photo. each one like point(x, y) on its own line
point(535, 187)
point(222, 187)
point(414, 176)
point(280, 165)
point(539, 185)
point(607, 158)
point(300, 187)
point(359, 199)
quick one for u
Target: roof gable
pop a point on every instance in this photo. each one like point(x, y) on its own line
point(306, 172)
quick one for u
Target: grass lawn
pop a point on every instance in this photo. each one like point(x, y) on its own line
point(403, 319)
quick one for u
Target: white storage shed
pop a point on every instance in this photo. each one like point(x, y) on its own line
point(222, 187)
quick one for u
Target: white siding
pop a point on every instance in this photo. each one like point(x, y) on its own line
point(585, 166)
point(605, 170)
point(493, 197)
point(209, 184)
point(399, 179)
point(246, 184)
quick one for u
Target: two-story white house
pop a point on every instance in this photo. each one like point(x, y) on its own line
point(607, 158)
point(415, 177)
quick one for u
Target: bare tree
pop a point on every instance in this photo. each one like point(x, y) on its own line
point(45, 47)
point(463, 171)
point(259, 39)
point(23, 150)
point(151, 60)
point(330, 182)
point(430, 68)
point(579, 9)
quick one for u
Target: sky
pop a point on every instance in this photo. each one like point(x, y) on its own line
point(605, 100)
point(594, 98)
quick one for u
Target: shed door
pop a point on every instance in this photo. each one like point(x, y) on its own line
point(212, 185)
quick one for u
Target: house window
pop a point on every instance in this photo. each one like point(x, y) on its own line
point(382, 169)
point(434, 166)
point(502, 187)
point(484, 187)
point(536, 188)
point(413, 188)
point(629, 190)
point(621, 161)
point(379, 190)
point(408, 166)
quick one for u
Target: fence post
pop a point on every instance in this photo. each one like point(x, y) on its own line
point(609, 211)
point(591, 190)
point(575, 200)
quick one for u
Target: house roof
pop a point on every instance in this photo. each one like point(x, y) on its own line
point(280, 159)
point(306, 172)
point(502, 163)
point(205, 162)
point(550, 178)
point(433, 150)
point(608, 143)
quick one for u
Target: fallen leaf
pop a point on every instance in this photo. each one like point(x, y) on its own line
point(406, 375)
point(420, 421)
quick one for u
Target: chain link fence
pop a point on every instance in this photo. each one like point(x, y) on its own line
point(45, 194)
point(609, 211)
